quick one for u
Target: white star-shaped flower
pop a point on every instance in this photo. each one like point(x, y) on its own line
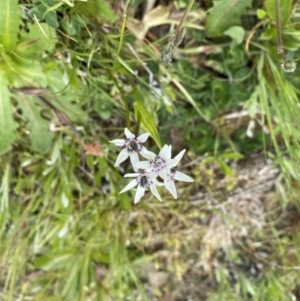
point(132, 146)
point(177, 175)
point(144, 181)
point(160, 164)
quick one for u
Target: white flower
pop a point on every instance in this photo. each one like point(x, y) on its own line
point(144, 181)
point(177, 175)
point(132, 147)
point(160, 164)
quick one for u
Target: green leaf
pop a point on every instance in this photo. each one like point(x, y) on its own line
point(37, 11)
point(67, 98)
point(237, 33)
point(36, 41)
point(125, 202)
point(231, 156)
point(20, 72)
point(261, 14)
point(71, 25)
point(7, 124)
point(225, 168)
point(148, 121)
point(54, 260)
point(285, 7)
point(98, 8)
point(105, 12)
point(51, 19)
point(103, 106)
point(225, 14)
point(9, 23)
point(40, 135)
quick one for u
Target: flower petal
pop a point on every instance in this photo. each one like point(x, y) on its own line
point(123, 155)
point(142, 138)
point(164, 152)
point(151, 175)
point(154, 191)
point(147, 154)
point(171, 163)
point(170, 152)
point(128, 134)
point(129, 186)
point(170, 185)
point(143, 165)
point(178, 157)
point(180, 176)
point(118, 142)
point(139, 194)
point(163, 173)
point(134, 158)
point(132, 175)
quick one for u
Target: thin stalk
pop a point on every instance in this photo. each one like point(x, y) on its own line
point(123, 97)
point(121, 39)
point(186, 12)
point(167, 52)
point(278, 30)
point(287, 65)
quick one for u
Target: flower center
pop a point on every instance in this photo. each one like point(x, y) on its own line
point(157, 162)
point(132, 146)
point(144, 182)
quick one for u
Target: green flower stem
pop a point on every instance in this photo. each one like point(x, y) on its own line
point(278, 30)
point(168, 49)
point(186, 12)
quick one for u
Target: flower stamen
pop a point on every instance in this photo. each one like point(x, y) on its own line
point(132, 146)
point(144, 182)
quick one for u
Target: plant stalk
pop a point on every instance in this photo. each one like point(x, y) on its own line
point(278, 30)
point(168, 49)
point(186, 12)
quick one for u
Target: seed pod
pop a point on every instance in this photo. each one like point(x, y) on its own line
point(167, 53)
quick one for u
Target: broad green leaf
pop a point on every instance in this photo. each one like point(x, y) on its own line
point(9, 23)
point(98, 8)
point(40, 135)
point(71, 25)
point(22, 72)
point(261, 14)
point(7, 124)
point(36, 41)
point(103, 105)
point(51, 19)
point(148, 121)
point(285, 7)
point(105, 11)
point(237, 33)
point(225, 14)
point(37, 11)
point(67, 98)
